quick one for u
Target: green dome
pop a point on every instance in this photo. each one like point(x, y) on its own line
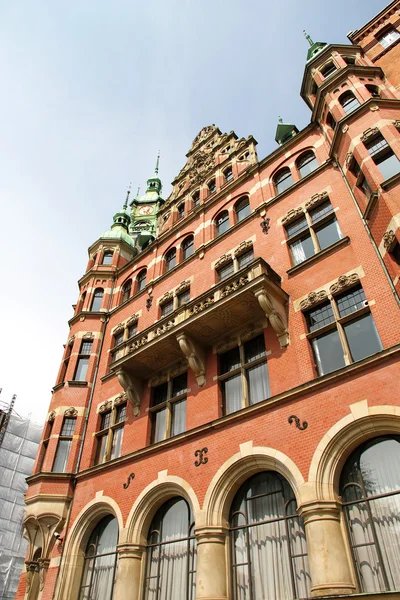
point(118, 234)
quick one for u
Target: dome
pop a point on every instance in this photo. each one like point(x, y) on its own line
point(118, 234)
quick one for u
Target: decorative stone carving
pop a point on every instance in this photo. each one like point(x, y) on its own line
point(132, 320)
point(71, 412)
point(119, 329)
point(166, 297)
point(293, 214)
point(235, 285)
point(120, 399)
point(71, 340)
point(138, 343)
point(225, 258)
point(164, 328)
point(201, 165)
point(184, 285)
point(265, 225)
point(276, 318)
point(203, 133)
point(374, 107)
point(343, 282)
point(389, 240)
point(89, 335)
point(51, 417)
point(194, 356)
point(313, 298)
point(105, 407)
point(345, 128)
point(202, 460)
point(43, 566)
point(200, 306)
point(242, 248)
point(369, 133)
point(133, 388)
point(316, 199)
point(348, 159)
point(396, 123)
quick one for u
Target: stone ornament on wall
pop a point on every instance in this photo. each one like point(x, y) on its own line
point(225, 258)
point(242, 248)
point(166, 297)
point(133, 319)
point(105, 407)
point(183, 286)
point(369, 133)
point(345, 128)
point(71, 412)
point(200, 306)
point(133, 388)
point(389, 240)
point(316, 199)
point(293, 214)
point(276, 318)
point(89, 335)
point(71, 340)
point(120, 399)
point(51, 417)
point(235, 285)
point(195, 357)
point(396, 123)
point(313, 298)
point(348, 159)
point(343, 282)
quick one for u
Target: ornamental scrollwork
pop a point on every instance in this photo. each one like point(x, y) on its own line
point(225, 258)
point(120, 399)
point(293, 214)
point(184, 285)
point(133, 319)
point(302, 427)
point(89, 335)
point(138, 343)
point(166, 297)
point(202, 460)
point(343, 282)
point(235, 285)
point(243, 247)
point(128, 482)
point(71, 412)
point(200, 306)
point(389, 240)
point(316, 199)
point(369, 133)
point(105, 407)
point(51, 416)
point(119, 329)
point(313, 298)
point(164, 328)
point(71, 340)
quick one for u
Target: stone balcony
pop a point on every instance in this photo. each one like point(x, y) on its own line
point(248, 296)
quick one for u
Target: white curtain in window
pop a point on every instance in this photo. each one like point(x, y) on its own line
point(233, 394)
point(298, 252)
point(258, 383)
point(178, 417)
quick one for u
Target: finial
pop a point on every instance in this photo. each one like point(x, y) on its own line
point(138, 191)
point(157, 163)
point(127, 196)
point(308, 37)
point(280, 120)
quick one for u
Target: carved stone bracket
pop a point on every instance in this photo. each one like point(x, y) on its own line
point(242, 248)
point(389, 240)
point(316, 199)
point(133, 388)
point(274, 314)
point(312, 299)
point(343, 282)
point(396, 123)
point(369, 133)
point(225, 258)
point(71, 412)
point(43, 566)
point(194, 356)
point(293, 214)
point(51, 416)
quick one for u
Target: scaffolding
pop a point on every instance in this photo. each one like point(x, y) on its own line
point(19, 441)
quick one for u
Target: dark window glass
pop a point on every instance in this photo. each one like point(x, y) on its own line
point(100, 561)
point(349, 60)
point(179, 385)
point(105, 421)
point(328, 233)
point(68, 426)
point(132, 330)
point(328, 70)
point(181, 211)
point(126, 290)
point(228, 174)
point(118, 338)
point(225, 271)
point(141, 280)
point(121, 413)
point(383, 156)
point(373, 90)
point(86, 347)
point(330, 121)
point(230, 360)
point(351, 301)
point(196, 198)
point(283, 180)
point(254, 349)
point(349, 102)
point(320, 316)
point(62, 455)
point(184, 297)
point(97, 299)
point(170, 259)
point(222, 222)
point(187, 247)
point(107, 258)
point(297, 226)
point(321, 211)
point(242, 209)
point(307, 163)
point(167, 308)
point(245, 258)
point(395, 252)
point(328, 352)
point(160, 393)
point(354, 168)
point(212, 188)
point(362, 337)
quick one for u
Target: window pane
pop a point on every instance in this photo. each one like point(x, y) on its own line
point(328, 234)
point(230, 360)
point(225, 271)
point(255, 348)
point(160, 418)
point(105, 420)
point(184, 297)
point(258, 383)
point(120, 414)
point(246, 258)
point(297, 227)
point(302, 249)
point(188, 247)
point(179, 385)
point(141, 280)
point(328, 352)
point(101, 449)
point(242, 210)
point(388, 164)
point(320, 316)
point(308, 164)
point(132, 330)
point(86, 347)
point(118, 338)
point(232, 393)
point(97, 300)
point(323, 209)
point(389, 38)
point(362, 337)
point(81, 369)
point(222, 222)
point(62, 454)
point(283, 181)
point(178, 424)
point(167, 308)
point(160, 394)
point(170, 259)
point(107, 258)
point(117, 442)
point(68, 426)
point(350, 301)
point(349, 102)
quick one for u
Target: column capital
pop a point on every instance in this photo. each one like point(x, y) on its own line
point(320, 510)
point(130, 551)
point(211, 535)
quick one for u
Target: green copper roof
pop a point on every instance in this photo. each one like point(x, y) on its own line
point(284, 132)
point(118, 234)
point(119, 228)
point(315, 47)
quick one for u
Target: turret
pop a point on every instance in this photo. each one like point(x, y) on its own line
point(144, 211)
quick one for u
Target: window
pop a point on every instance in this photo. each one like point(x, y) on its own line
point(45, 442)
point(100, 561)
point(65, 363)
point(183, 297)
point(328, 70)
point(170, 259)
point(141, 280)
point(132, 330)
point(225, 271)
point(171, 553)
point(228, 174)
point(349, 102)
point(126, 290)
point(83, 360)
point(109, 437)
point(212, 188)
point(330, 121)
point(317, 230)
point(181, 211)
point(107, 258)
point(342, 328)
point(187, 247)
point(168, 408)
point(373, 90)
point(81, 302)
point(196, 198)
point(349, 60)
point(97, 299)
point(64, 445)
point(383, 156)
point(268, 541)
point(167, 307)
point(243, 375)
point(118, 338)
point(306, 163)
point(242, 209)
point(369, 487)
point(388, 38)
point(222, 222)
point(363, 184)
point(283, 180)
point(245, 258)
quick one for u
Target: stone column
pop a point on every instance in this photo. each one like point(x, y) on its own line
point(127, 583)
point(329, 564)
point(211, 573)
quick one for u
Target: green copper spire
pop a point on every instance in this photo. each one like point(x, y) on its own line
point(284, 131)
point(121, 221)
point(157, 163)
point(315, 47)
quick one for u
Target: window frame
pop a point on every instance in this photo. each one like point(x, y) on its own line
point(241, 204)
point(302, 162)
point(65, 436)
point(196, 198)
point(168, 406)
point(225, 220)
point(352, 98)
point(383, 35)
point(279, 178)
point(187, 243)
point(141, 281)
point(181, 210)
point(170, 256)
point(107, 254)
point(381, 154)
point(212, 186)
point(109, 433)
point(83, 356)
point(228, 174)
point(328, 69)
point(96, 295)
point(126, 291)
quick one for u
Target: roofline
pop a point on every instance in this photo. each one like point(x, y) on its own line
point(365, 27)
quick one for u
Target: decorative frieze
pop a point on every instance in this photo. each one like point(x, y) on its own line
point(164, 328)
point(235, 285)
point(369, 133)
point(343, 282)
point(183, 286)
point(132, 320)
point(312, 299)
point(105, 407)
point(166, 298)
point(200, 306)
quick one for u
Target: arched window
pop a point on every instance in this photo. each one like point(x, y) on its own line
point(242, 209)
point(170, 259)
point(196, 198)
point(370, 489)
point(212, 188)
point(107, 257)
point(330, 120)
point(171, 553)
point(97, 299)
point(306, 163)
point(328, 70)
point(222, 222)
point(181, 211)
point(283, 180)
point(268, 542)
point(141, 280)
point(100, 561)
point(349, 102)
point(126, 290)
point(187, 247)
point(373, 90)
point(228, 174)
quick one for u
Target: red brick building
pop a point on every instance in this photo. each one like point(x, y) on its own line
point(226, 419)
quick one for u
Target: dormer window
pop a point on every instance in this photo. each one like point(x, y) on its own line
point(389, 37)
point(107, 257)
point(228, 174)
point(328, 70)
point(212, 188)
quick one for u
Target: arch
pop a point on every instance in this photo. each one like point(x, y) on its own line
point(236, 470)
point(170, 259)
point(221, 222)
point(141, 280)
point(283, 180)
point(242, 208)
point(373, 90)
point(348, 102)
point(151, 499)
point(306, 163)
point(228, 173)
point(97, 299)
point(187, 246)
point(211, 186)
point(363, 423)
point(126, 290)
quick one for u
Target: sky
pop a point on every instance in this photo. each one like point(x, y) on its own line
point(91, 90)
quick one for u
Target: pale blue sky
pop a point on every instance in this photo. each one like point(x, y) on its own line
point(90, 91)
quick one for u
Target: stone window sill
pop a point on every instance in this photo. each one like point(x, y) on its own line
point(386, 185)
point(73, 383)
point(309, 261)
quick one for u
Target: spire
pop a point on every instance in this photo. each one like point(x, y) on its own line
point(154, 184)
point(125, 204)
point(121, 218)
point(315, 47)
point(308, 37)
point(157, 163)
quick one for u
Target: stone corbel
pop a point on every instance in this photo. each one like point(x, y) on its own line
point(194, 356)
point(274, 314)
point(133, 388)
point(43, 566)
